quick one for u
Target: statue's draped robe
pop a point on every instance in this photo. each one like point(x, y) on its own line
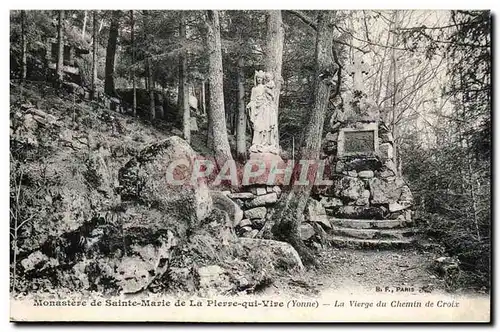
point(263, 119)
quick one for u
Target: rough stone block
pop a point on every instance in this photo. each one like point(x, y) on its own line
point(245, 222)
point(148, 169)
point(256, 213)
point(277, 190)
point(284, 253)
point(306, 231)
point(385, 192)
point(348, 187)
point(259, 191)
point(394, 207)
point(263, 200)
point(366, 174)
point(242, 195)
point(330, 202)
point(353, 174)
point(364, 200)
point(359, 212)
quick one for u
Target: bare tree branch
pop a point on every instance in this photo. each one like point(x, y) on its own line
point(303, 17)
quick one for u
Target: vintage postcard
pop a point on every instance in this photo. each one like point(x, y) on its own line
point(250, 165)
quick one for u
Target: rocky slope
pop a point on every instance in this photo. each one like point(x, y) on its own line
point(91, 210)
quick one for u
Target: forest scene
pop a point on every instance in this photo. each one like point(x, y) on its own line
point(235, 152)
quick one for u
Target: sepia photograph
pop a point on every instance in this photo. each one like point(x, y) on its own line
point(250, 165)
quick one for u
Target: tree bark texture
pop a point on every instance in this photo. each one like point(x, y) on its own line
point(152, 108)
point(183, 98)
point(241, 141)
point(109, 80)
point(95, 43)
point(84, 27)
point(60, 47)
point(290, 209)
point(132, 41)
point(24, 65)
point(215, 76)
point(274, 57)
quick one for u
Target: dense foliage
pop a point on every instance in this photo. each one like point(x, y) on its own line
point(452, 178)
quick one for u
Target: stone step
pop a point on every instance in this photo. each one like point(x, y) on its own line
point(349, 242)
point(376, 234)
point(363, 223)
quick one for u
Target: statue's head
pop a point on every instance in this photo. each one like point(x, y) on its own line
point(268, 77)
point(259, 77)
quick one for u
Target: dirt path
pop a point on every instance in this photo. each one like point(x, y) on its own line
point(350, 269)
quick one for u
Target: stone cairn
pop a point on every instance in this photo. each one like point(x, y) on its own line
point(369, 202)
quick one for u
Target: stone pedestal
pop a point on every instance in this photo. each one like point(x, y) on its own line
point(256, 201)
point(258, 195)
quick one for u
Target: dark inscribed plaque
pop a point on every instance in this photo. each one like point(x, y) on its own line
point(362, 142)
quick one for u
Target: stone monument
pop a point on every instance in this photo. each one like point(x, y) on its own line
point(257, 197)
point(359, 151)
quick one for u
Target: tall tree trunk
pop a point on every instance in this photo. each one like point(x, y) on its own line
point(290, 209)
point(160, 102)
point(60, 47)
point(210, 131)
point(203, 103)
point(183, 98)
point(324, 69)
point(274, 58)
point(215, 77)
point(132, 41)
point(84, 23)
point(241, 128)
point(24, 66)
point(109, 80)
point(394, 62)
point(94, 56)
point(149, 69)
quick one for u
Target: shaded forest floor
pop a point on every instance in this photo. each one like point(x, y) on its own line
point(342, 269)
